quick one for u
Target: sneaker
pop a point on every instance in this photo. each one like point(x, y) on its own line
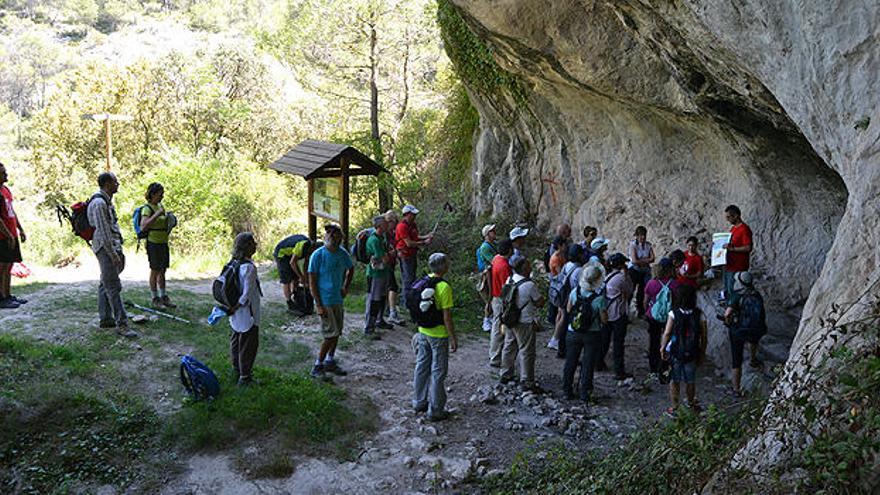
point(18, 299)
point(9, 303)
point(554, 343)
point(384, 325)
point(317, 371)
point(167, 302)
point(124, 331)
point(334, 368)
point(156, 303)
point(107, 324)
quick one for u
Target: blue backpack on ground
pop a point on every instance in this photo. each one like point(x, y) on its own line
point(662, 304)
point(198, 379)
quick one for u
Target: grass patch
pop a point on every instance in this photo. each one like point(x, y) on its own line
point(57, 433)
point(25, 288)
point(678, 457)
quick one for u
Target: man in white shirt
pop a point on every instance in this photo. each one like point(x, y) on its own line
point(520, 339)
point(245, 315)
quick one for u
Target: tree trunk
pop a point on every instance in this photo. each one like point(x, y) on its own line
point(384, 180)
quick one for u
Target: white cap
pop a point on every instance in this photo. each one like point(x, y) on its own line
point(518, 232)
point(487, 229)
point(410, 209)
point(598, 243)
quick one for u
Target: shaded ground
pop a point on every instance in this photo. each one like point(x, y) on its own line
point(407, 454)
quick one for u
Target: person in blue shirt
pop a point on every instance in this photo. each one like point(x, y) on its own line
point(330, 272)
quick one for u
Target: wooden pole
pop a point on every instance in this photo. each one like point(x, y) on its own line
point(109, 144)
point(343, 201)
point(313, 221)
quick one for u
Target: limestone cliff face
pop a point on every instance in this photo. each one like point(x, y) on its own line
point(662, 113)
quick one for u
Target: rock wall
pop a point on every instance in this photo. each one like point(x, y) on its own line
point(661, 113)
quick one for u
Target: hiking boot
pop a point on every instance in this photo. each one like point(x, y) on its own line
point(107, 324)
point(167, 302)
point(421, 409)
point(18, 299)
point(334, 368)
point(156, 303)
point(8, 303)
point(124, 331)
point(384, 325)
point(438, 416)
point(318, 371)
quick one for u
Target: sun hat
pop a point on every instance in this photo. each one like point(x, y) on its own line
point(591, 278)
point(742, 281)
point(598, 243)
point(410, 209)
point(487, 229)
point(518, 232)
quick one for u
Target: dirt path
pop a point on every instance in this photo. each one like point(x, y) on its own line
point(491, 424)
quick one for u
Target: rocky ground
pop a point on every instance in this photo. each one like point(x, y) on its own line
point(491, 423)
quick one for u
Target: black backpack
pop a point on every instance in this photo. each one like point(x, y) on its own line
point(510, 310)
point(226, 288)
point(751, 320)
point(360, 245)
point(582, 314)
point(686, 336)
point(303, 302)
point(415, 296)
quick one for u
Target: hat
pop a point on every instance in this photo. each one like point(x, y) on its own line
point(598, 243)
point(742, 281)
point(410, 209)
point(515, 260)
point(487, 229)
point(666, 262)
point(518, 232)
point(617, 259)
point(591, 278)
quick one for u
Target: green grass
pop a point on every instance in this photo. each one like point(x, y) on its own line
point(25, 288)
point(678, 457)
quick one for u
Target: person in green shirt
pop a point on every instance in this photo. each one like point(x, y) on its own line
point(378, 278)
point(433, 343)
point(485, 253)
point(154, 220)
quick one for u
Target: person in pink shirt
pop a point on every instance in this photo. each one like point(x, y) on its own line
point(664, 276)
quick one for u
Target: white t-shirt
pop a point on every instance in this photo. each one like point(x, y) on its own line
point(248, 314)
point(528, 291)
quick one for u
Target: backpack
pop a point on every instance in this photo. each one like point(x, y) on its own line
point(303, 302)
point(662, 303)
point(560, 287)
point(360, 245)
point(136, 222)
point(481, 266)
point(226, 288)
point(510, 311)
point(751, 322)
point(686, 337)
point(421, 304)
point(198, 379)
point(582, 315)
point(78, 216)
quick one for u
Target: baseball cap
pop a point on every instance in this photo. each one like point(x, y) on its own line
point(518, 232)
point(487, 229)
point(598, 243)
point(410, 209)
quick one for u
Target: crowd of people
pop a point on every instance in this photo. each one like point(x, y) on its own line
point(593, 295)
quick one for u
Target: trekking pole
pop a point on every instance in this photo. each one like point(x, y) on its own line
point(156, 312)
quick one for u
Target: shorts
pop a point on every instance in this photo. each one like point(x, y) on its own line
point(392, 282)
point(285, 272)
point(158, 256)
point(332, 321)
point(684, 372)
point(10, 255)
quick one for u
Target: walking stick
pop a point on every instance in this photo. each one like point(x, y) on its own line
point(156, 312)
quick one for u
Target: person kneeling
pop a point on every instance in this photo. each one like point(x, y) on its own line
point(684, 343)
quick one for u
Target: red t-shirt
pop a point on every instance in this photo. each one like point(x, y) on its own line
point(7, 212)
point(406, 231)
point(693, 264)
point(500, 274)
point(740, 235)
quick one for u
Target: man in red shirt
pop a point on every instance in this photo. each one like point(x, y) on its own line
point(500, 273)
point(408, 243)
point(738, 249)
point(692, 270)
point(10, 246)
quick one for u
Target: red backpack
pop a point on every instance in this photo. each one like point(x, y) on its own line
point(78, 217)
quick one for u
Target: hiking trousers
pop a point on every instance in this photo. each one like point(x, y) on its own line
point(519, 340)
point(496, 338)
point(639, 279)
point(243, 349)
point(429, 378)
point(615, 338)
point(655, 331)
point(407, 275)
point(110, 306)
point(377, 298)
point(585, 347)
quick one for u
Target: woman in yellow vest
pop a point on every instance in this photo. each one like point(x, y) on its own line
point(154, 221)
